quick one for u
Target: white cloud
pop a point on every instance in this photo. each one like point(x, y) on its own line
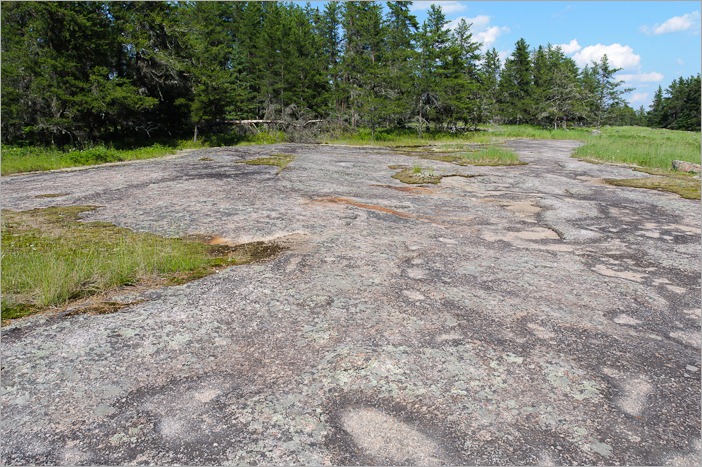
point(684, 22)
point(652, 77)
point(619, 56)
point(489, 36)
point(481, 29)
point(446, 7)
point(477, 23)
point(678, 23)
point(679, 61)
point(570, 47)
point(638, 97)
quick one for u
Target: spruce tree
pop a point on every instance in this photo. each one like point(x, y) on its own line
point(433, 67)
point(517, 86)
point(489, 77)
point(401, 29)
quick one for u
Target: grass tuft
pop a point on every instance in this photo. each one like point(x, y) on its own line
point(489, 155)
point(50, 258)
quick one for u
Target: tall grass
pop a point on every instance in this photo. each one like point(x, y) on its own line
point(49, 258)
point(535, 132)
point(29, 159)
point(643, 147)
point(485, 134)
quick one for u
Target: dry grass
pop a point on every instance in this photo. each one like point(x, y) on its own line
point(684, 185)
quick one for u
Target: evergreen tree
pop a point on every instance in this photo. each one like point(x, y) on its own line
point(214, 68)
point(401, 29)
point(60, 74)
point(328, 29)
point(363, 60)
point(489, 77)
point(605, 93)
point(153, 60)
point(655, 114)
point(557, 93)
point(516, 87)
point(433, 67)
point(462, 90)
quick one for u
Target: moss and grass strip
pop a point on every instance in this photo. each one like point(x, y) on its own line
point(51, 258)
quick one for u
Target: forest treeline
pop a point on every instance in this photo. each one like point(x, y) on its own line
point(81, 72)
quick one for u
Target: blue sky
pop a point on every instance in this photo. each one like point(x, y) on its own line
point(653, 42)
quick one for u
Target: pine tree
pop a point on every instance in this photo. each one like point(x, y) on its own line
point(463, 78)
point(363, 60)
point(433, 61)
point(557, 91)
point(61, 76)
point(489, 77)
point(328, 29)
point(214, 68)
point(517, 86)
point(655, 114)
point(401, 29)
point(605, 92)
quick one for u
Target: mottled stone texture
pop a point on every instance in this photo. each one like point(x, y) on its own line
point(531, 315)
point(684, 166)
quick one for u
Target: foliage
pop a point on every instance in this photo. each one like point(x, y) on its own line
point(491, 155)
point(679, 108)
point(77, 74)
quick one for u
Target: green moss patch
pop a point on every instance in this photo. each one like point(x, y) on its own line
point(684, 185)
point(417, 175)
point(51, 195)
point(278, 160)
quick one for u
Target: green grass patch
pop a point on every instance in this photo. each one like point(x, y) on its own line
point(488, 155)
point(491, 155)
point(17, 159)
point(641, 147)
point(50, 258)
point(278, 160)
point(464, 154)
point(487, 134)
point(264, 137)
point(505, 132)
point(31, 159)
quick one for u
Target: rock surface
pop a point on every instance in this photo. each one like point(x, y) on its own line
point(684, 166)
point(531, 315)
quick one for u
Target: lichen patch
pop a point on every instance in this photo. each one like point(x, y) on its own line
point(386, 439)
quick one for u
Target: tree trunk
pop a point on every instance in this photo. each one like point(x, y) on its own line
point(195, 134)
